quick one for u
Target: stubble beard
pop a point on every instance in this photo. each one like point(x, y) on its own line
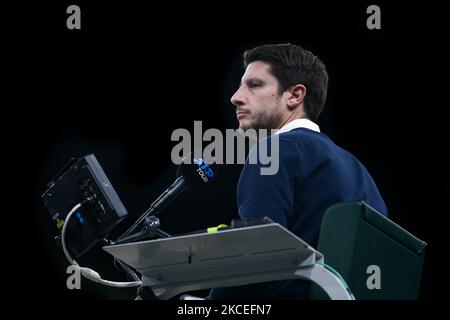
point(268, 119)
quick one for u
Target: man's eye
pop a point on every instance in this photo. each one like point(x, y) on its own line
point(254, 84)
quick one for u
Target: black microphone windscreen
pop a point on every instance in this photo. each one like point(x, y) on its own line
point(197, 173)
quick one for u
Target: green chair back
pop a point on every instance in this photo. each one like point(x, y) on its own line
point(364, 246)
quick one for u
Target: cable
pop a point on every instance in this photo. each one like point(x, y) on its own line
point(337, 274)
point(63, 234)
point(86, 272)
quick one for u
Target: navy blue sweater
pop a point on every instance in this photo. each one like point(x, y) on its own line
point(313, 174)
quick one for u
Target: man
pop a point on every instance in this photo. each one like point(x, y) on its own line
point(284, 87)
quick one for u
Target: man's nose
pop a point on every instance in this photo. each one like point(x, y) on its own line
point(238, 99)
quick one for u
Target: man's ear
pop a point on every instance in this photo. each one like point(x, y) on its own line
point(296, 97)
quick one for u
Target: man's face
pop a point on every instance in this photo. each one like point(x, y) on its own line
point(258, 103)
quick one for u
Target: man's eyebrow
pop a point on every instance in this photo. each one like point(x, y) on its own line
point(252, 79)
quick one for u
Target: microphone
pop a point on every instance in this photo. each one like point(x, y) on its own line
point(195, 174)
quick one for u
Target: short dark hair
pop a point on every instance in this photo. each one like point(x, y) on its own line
point(291, 65)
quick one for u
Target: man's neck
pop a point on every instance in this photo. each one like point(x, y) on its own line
point(293, 116)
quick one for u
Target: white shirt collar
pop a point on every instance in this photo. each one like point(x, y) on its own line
point(299, 123)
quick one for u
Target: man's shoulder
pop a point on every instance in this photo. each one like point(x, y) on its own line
point(295, 144)
point(310, 143)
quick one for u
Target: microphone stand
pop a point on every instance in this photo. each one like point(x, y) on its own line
point(150, 229)
point(151, 223)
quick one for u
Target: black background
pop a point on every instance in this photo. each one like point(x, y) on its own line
point(119, 87)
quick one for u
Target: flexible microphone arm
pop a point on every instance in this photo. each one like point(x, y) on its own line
point(160, 203)
point(194, 173)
